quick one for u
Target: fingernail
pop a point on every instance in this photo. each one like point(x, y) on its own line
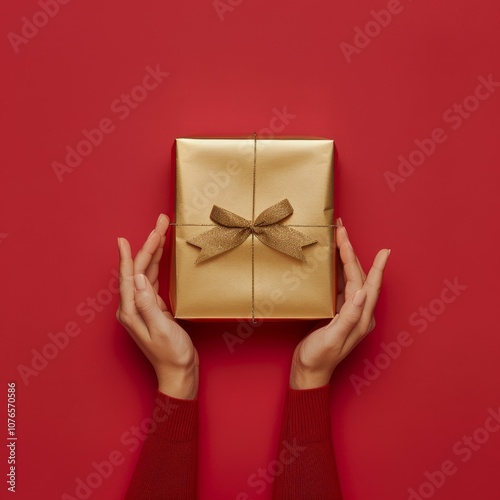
point(160, 217)
point(151, 233)
point(359, 298)
point(339, 222)
point(119, 243)
point(140, 282)
point(387, 253)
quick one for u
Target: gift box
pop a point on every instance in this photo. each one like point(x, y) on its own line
point(253, 231)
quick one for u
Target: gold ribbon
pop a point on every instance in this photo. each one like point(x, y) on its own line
point(233, 230)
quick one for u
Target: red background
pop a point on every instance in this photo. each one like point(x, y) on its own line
point(58, 239)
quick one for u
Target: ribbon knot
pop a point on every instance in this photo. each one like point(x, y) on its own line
point(232, 230)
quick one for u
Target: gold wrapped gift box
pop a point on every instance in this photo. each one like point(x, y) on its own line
point(239, 251)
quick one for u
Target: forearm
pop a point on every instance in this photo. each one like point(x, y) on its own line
point(167, 465)
point(305, 448)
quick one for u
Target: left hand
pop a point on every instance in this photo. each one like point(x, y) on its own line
point(321, 351)
point(145, 316)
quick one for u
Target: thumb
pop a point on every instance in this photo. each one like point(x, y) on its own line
point(146, 304)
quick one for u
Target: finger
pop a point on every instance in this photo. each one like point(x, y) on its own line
point(153, 268)
point(163, 307)
point(152, 243)
point(338, 265)
point(373, 282)
point(363, 274)
point(342, 325)
point(345, 237)
point(126, 283)
point(352, 270)
point(339, 272)
point(127, 313)
point(372, 288)
point(376, 273)
point(147, 306)
point(341, 235)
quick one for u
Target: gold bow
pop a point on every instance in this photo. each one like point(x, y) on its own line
point(233, 230)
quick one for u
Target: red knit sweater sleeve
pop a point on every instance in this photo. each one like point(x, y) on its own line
point(305, 449)
point(167, 465)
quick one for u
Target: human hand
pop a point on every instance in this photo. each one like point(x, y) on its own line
point(321, 351)
point(145, 316)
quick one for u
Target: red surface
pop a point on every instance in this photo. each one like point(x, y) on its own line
point(227, 77)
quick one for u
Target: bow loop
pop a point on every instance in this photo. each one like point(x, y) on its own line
point(226, 218)
point(274, 213)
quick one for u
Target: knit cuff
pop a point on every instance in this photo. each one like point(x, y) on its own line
point(176, 419)
point(308, 413)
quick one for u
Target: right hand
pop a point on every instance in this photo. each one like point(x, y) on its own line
point(321, 351)
point(145, 316)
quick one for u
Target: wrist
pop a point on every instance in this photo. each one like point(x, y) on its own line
point(302, 379)
point(178, 383)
